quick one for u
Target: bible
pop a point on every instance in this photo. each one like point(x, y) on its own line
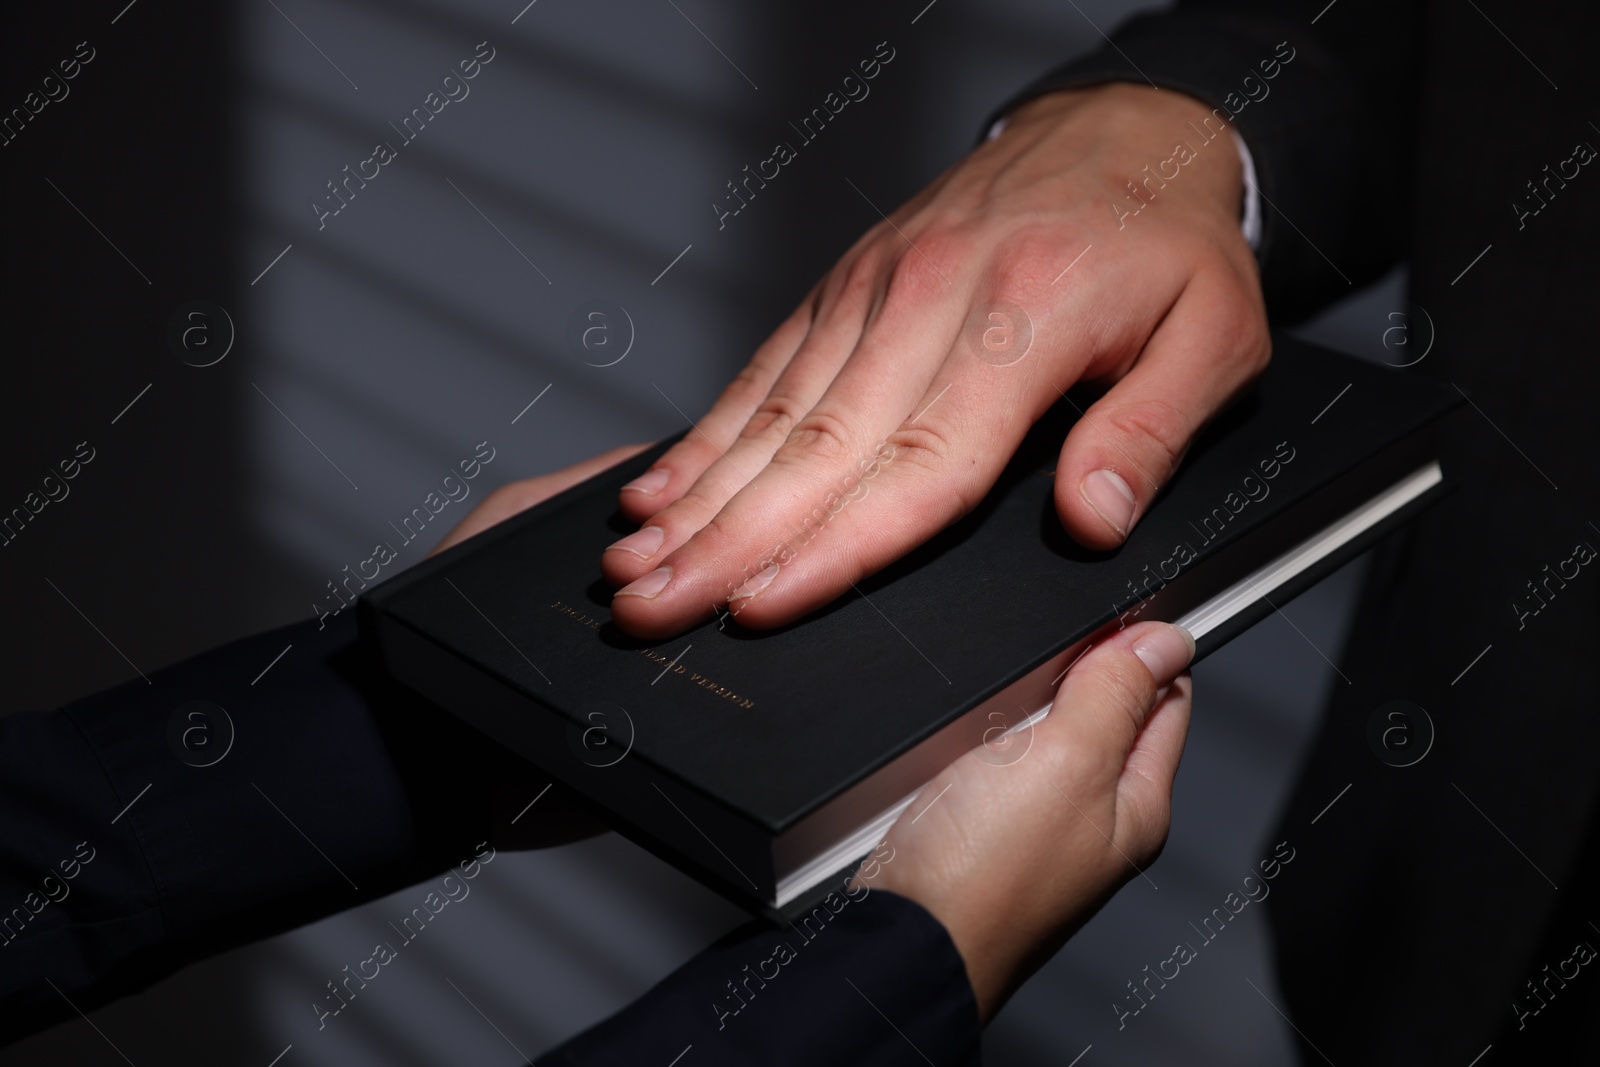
point(765, 764)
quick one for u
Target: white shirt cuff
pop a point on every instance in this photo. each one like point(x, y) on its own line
point(1250, 218)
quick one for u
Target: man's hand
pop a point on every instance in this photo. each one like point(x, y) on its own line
point(1014, 858)
point(886, 406)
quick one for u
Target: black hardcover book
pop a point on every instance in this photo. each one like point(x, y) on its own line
point(764, 764)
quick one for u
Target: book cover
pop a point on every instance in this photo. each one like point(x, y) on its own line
point(759, 760)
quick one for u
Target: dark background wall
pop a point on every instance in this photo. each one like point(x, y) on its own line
point(369, 355)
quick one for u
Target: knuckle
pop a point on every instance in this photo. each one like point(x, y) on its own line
point(856, 285)
point(746, 389)
point(930, 448)
point(1157, 423)
point(774, 417)
point(695, 504)
point(1070, 765)
point(1145, 831)
point(918, 273)
point(818, 436)
point(1022, 267)
point(1084, 774)
point(690, 456)
point(715, 537)
point(1125, 688)
point(929, 444)
point(1242, 321)
point(1256, 341)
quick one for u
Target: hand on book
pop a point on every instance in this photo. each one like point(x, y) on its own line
point(1078, 245)
point(1013, 858)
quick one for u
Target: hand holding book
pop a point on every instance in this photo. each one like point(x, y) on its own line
point(768, 763)
point(1013, 859)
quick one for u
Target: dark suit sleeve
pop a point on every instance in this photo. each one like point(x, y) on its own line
point(1330, 132)
point(139, 837)
point(874, 984)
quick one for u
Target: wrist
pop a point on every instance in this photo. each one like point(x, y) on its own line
point(989, 955)
point(1146, 137)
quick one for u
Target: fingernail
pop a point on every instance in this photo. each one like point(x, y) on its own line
point(1112, 500)
point(643, 543)
point(648, 586)
point(650, 482)
point(1165, 651)
point(755, 584)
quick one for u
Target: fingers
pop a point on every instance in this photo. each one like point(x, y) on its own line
point(709, 440)
point(1109, 693)
point(888, 497)
point(822, 460)
point(1119, 722)
point(1127, 444)
point(911, 433)
point(1144, 792)
point(845, 302)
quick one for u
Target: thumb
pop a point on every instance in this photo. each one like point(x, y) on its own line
point(1111, 690)
point(1125, 447)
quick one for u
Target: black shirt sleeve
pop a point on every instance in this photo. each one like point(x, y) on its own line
point(160, 822)
point(140, 837)
point(876, 982)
